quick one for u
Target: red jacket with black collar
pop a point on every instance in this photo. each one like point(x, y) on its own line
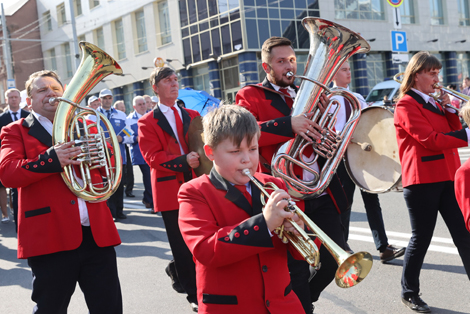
point(274, 120)
point(427, 141)
point(240, 268)
point(48, 214)
point(161, 151)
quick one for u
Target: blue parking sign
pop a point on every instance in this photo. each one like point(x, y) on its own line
point(399, 42)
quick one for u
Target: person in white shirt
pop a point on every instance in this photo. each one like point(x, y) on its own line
point(371, 201)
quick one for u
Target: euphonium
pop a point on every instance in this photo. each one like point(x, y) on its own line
point(353, 268)
point(330, 46)
point(69, 125)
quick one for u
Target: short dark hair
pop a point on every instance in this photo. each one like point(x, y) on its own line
point(42, 73)
point(159, 74)
point(229, 121)
point(270, 43)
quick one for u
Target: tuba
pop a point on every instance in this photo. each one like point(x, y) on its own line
point(330, 46)
point(70, 125)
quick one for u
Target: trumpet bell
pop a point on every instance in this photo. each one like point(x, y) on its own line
point(353, 269)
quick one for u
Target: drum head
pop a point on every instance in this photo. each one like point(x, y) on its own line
point(377, 170)
point(196, 144)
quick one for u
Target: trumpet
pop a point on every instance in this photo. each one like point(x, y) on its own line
point(451, 92)
point(353, 268)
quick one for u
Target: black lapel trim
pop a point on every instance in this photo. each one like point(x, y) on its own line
point(276, 100)
point(162, 121)
point(37, 131)
point(233, 194)
point(425, 105)
point(24, 113)
point(256, 199)
point(186, 121)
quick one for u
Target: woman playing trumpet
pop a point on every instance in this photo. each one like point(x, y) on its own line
point(428, 137)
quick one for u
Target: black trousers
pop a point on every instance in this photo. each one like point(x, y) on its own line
point(424, 201)
point(116, 201)
point(145, 169)
point(183, 259)
point(94, 268)
point(323, 213)
point(128, 172)
point(372, 206)
point(14, 203)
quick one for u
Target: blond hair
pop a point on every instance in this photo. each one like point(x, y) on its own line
point(465, 113)
point(229, 121)
point(423, 60)
point(8, 92)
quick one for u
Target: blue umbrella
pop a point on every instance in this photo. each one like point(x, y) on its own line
point(198, 100)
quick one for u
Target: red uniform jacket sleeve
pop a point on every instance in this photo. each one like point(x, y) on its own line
point(462, 191)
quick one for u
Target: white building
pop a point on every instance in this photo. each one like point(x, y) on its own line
point(133, 32)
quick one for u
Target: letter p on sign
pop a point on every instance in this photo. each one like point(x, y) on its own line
point(399, 43)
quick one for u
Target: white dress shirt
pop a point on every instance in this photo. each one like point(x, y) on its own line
point(341, 117)
point(168, 113)
point(82, 208)
point(18, 115)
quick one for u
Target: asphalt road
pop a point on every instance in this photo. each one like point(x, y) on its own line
point(146, 288)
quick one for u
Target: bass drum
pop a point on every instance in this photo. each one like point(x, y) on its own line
point(372, 159)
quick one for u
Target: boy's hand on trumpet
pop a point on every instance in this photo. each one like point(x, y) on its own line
point(275, 214)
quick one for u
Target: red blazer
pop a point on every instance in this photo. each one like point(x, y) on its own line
point(239, 267)
point(462, 191)
point(273, 116)
point(48, 215)
point(161, 151)
point(427, 141)
point(274, 120)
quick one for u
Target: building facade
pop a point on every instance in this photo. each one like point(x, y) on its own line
point(215, 44)
point(25, 47)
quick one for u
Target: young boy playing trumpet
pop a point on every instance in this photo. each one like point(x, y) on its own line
point(241, 264)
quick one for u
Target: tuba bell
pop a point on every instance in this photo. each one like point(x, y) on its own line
point(70, 125)
point(330, 46)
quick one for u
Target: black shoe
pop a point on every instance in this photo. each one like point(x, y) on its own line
point(175, 283)
point(129, 194)
point(121, 216)
point(415, 303)
point(391, 252)
point(147, 205)
point(194, 306)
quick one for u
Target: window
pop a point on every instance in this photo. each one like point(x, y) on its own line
point(67, 60)
point(464, 16)
point(230, 78)
point(120, 44)
point(47, 21)
point(99, 37)
point(463, 65)
point(77, 7)
point(61, 17)
point(407, 12)
point(140, 30)
point(437, 12)
point(164, 18)
point(51, 62)
point(359, 9)
point(375, 68)
point(94, 3)
point(201, 78)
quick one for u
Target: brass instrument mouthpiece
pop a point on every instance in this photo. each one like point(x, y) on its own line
point(289, 74)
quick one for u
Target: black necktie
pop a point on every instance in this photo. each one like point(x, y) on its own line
point(347, 106)
point(14, 116)
point(109, 114)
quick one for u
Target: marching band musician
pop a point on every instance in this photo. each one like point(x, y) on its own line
point(65, 239)
point(428, 137)
point(225, 226)
point(272, 111)
point(163, 142)
point(371, 201)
